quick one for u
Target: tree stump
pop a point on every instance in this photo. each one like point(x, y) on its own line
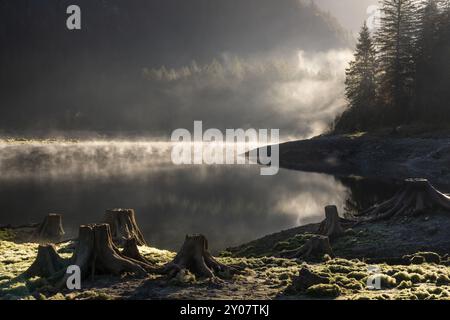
point(95, 253)
point(123, 226)
point(50, 229)
point(47, 263)
point(313, 250)
point(195, 257)
point(331, 226)
point(416, 197)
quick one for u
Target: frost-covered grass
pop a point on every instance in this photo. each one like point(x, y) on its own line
point(348, 279)
point(263, 277)
point(14, 260)
point(156, 256)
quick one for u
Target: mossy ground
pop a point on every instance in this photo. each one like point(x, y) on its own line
point(348, 279)
point(384, 239)
point(261, 278)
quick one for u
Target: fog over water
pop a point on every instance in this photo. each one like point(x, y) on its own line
point(230, 204)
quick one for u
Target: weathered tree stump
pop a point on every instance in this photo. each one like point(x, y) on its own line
point(195, 257)
point(314, 249)
point(123, 226)
point(95, 253)
point(50, 229)
point(47, 263)
point(331, 226)
point(416, 197)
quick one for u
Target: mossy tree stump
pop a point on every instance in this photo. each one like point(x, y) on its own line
point(331, 226)
point(195, 257)
point(416, 197)
point(123, 226)
point(50, 229)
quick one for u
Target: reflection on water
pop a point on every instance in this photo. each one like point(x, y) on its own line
point(229, 204)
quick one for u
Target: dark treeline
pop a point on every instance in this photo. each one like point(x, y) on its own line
point(401, 72)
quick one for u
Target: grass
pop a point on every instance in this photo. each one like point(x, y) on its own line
point(324, 291)
point(347, 279)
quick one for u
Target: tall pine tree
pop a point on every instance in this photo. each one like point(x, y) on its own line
point(442, 54)
point(360, 86)
point(427, 68)
point(360, 76)
point(433, 67)
point(396, 45)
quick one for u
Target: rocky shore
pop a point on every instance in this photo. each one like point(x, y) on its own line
point(380, 156)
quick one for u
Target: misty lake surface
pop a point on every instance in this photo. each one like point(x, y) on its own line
point(230, 204)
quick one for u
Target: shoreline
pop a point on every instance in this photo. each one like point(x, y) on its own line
point(371, 156)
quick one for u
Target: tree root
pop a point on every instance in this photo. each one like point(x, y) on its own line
point(313, 250)
point(416, 197)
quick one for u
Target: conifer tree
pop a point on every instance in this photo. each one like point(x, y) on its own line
point(360, 76)
point(396, 41)
point(427, 68)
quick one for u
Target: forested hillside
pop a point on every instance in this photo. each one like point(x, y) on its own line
point(401, 72)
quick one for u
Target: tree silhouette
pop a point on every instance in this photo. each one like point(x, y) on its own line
point(360, 76)
point(360, 85)
point(396, 44)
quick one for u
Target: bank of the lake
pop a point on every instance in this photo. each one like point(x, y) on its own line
point(389, 156)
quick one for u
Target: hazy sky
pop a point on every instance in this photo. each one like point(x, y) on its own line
point(350, 13)
point(152, 66)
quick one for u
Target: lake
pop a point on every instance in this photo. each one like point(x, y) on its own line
point(230, 204)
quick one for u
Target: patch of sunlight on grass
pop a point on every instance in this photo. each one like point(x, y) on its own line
point(156, 255)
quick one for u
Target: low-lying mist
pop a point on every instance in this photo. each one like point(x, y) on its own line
point(83, 179)
point(300, 94)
